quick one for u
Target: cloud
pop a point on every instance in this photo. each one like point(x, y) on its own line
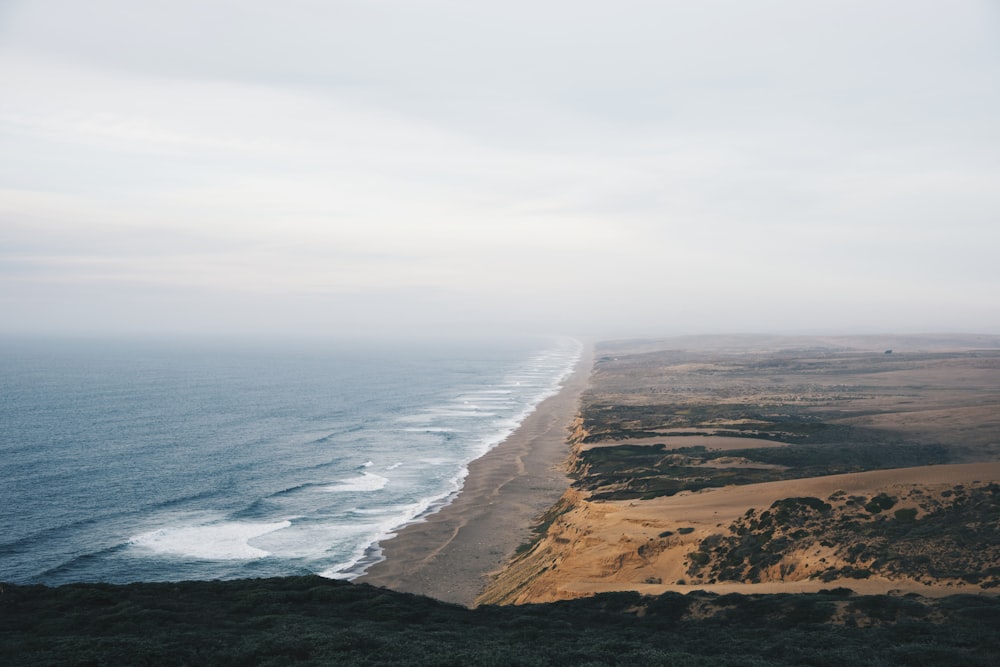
point(677, 165)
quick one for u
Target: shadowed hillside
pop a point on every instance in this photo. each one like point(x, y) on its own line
point(315, 621)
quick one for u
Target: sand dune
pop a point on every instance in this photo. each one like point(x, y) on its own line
point(608, 546)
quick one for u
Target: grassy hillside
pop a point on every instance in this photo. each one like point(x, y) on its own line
point(315, 621)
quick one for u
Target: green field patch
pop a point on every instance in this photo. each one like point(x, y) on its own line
point(626, 472)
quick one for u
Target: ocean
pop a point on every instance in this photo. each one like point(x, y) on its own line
point(164, 461)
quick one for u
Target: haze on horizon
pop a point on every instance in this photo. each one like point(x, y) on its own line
point(590, 168)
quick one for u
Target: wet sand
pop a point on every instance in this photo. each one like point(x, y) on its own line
point(451, 555)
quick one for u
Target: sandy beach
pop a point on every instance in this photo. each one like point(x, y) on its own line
point(450, 555)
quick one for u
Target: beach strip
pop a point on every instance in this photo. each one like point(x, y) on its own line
point(450, 555)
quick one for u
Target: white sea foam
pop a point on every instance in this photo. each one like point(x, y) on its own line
point(385, 509)
point(457, 411)
point(227, 540)
point(553, 372)
point(430, 429)
point(367, 552)
point(366, 481)
point(485, 397)
point(316, 540)
point(436, 460)
point(352, 537)
point(304, 493)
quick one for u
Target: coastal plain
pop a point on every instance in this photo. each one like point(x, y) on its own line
point(776, 465)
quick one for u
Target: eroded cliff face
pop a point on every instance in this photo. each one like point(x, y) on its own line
point(899, 529)
point(561, 534)
point(521, 580)
point(593, 546)
point(577, 434)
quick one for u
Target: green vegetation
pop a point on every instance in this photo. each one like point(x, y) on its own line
point(796, 398)
point(314, 621)
point(879, 503)
point(608, 422)
point(955, 538)
point(627, 472)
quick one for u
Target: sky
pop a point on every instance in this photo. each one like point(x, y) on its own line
point(317, 167)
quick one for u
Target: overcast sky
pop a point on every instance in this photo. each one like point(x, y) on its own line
point(594, 168)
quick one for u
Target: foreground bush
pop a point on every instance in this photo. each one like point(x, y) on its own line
point(315, 621)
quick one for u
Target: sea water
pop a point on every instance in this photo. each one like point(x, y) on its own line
point(160, 461)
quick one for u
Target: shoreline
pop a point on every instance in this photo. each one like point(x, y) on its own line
point(451, 554)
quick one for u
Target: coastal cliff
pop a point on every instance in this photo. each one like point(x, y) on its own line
point(783, 471)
